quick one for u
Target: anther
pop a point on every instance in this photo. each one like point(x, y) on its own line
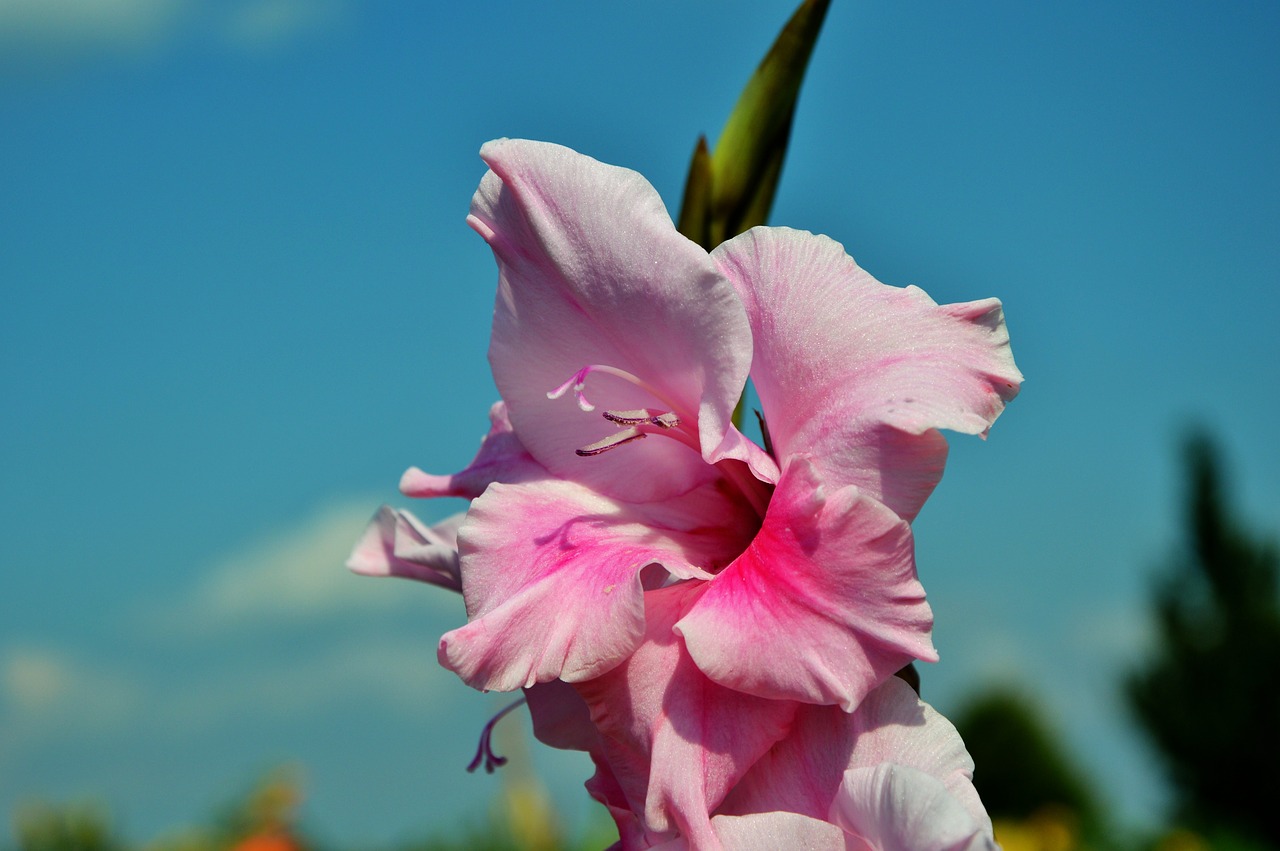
point(613, 441)
point(643, 416)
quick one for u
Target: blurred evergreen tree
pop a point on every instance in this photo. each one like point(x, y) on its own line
point(1209, 696)
point(1021, 770)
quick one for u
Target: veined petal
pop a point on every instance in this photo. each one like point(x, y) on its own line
point(671, 736)
point(396, 543)
point(860, 374)
point(801, 773)
point(894, 726)
point(501, 458)
point(899, 808)
point(773, 831)
point(894, 773)
point(592, 272)
point(551, 575)
point(824, 604)
point(560, 717)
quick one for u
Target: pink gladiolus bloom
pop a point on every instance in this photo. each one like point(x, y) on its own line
point(620, 349)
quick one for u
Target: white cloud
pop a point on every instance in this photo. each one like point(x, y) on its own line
point(43, 692)
point(86, 24)
point(267, 22)
point(34, 680)
point(59, 29)
point(294, 575)
point(1116, 634)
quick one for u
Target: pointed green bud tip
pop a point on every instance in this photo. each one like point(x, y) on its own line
point(748, 157)
point(696, 210)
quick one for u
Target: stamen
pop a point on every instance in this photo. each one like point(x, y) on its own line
point(643, 416)
point(485, 750)
point(613, 441)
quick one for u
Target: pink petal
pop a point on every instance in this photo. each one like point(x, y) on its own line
point(891, 772)
point(894, 726)
point(605, 788)
point(898, 808)
point(560, 717)
point(551, 575)
point(501, 458)
point(672, 737)
point(772, 832)
point(801, 773)
point(824, 604)
point(592, 272)
point(396, 543)
point(860, 374)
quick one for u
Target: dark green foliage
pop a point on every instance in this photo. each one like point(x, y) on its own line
point(1209, 696)
point(39, 827)
point(1021, 769)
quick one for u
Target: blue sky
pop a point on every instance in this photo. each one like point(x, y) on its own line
point(240, 298)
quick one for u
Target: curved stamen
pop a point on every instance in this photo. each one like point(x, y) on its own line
point(485, 750)
point(613, 441)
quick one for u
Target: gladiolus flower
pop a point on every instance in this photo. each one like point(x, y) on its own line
point(620, 349)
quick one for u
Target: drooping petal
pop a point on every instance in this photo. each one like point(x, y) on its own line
point(671, 736)
point(894, 726)
point(898, 808)
point(592, 272)
point(891, 773)
point(822, 606)
point(860, 374)
point(396, 543)
point(771, 832)
point(801, 773)
point(551, 575)
point(560, 717)
point(501, 458)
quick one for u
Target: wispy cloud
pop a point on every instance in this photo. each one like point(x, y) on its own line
point(44, 691)
point(44, 31)
point(264, 23)
point(294, 575)
point(275, 629)
point(56, 25)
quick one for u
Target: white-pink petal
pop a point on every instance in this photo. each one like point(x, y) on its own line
point(860, 374)
point(772, 832)
point(501, 458)
point(593, 273)
point(898, 808)
point(395, 543)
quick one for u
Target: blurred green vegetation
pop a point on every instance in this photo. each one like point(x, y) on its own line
point(1208, 698)
point(1024, 777)
point(266, 819)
